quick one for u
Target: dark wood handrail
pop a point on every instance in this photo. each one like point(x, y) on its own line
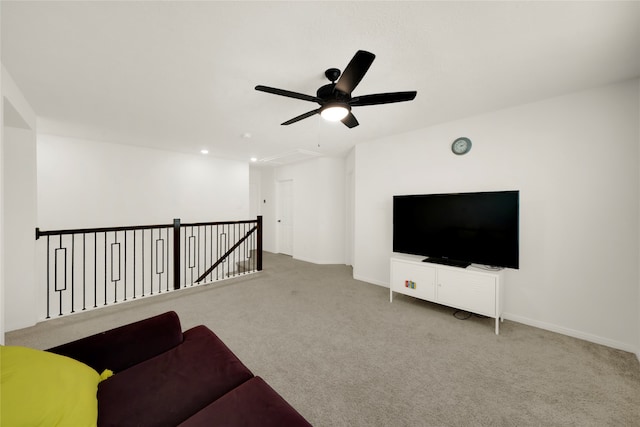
point(40, 233)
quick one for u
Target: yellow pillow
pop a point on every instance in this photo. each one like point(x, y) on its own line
point(38, 388)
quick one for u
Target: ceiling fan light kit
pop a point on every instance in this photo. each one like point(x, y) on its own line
point(334, 112)
point(335, 98)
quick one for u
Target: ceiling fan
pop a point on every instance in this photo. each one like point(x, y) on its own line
point(335, 98)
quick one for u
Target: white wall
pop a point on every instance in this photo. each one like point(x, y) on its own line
point(17, 208)
point(91, 184)
point(349, 200)
point(575, 161)
point(20, 220)
point(318, 209)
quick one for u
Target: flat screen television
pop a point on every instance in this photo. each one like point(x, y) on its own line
point(459, 228)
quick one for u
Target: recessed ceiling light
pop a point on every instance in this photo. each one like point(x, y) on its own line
point(204, 151)
point(254, 159)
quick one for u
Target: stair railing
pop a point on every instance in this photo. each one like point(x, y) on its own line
point(87, 268)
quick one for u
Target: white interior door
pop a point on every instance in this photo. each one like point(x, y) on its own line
point(285, 217)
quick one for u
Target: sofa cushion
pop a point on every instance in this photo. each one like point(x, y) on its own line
point(252, 404)
point(120, 348)
point(169, 388)
point(41, 388)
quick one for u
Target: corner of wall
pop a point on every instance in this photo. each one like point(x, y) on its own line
point(1, 214)
point(638, 169)
point(17, 116)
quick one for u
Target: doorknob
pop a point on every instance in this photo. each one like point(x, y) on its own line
point(279, 221)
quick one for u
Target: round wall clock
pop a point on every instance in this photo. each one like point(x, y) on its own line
point(461, 146)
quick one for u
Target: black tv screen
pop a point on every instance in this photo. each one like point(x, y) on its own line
point(460, 228)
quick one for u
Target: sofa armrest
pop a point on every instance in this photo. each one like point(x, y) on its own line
point(120, 348)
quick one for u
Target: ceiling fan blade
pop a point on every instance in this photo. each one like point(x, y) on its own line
point(288, 93)
point(350, 120)
point(382, 98)
point(301, 117)
point(355, 71)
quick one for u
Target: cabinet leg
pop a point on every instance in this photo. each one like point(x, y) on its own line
point(497, 325)
point(390, 295)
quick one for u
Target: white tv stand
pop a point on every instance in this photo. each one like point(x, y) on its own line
point(471, 289)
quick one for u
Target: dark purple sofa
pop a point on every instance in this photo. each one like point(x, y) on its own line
point(164, 377)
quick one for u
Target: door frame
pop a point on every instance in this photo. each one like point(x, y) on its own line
point(279, 197)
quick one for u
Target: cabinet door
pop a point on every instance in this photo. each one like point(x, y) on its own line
point(412, 279)
point(468, 291)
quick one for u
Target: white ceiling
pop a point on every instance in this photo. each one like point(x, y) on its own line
point(180, 75)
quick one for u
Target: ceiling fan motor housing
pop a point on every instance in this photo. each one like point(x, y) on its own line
point(329, 93)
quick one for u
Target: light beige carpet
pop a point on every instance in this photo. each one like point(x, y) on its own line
point(342, 355)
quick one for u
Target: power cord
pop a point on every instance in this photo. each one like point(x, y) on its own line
point(464, 315)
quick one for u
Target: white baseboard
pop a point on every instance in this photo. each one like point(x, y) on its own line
point(319, 262)
point(573, 333)
point(372, 281)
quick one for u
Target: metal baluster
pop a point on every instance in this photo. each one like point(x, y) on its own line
point(56, 275)
point(84, 271)
point(73, 258)
point(134, 264)
point(105, 268)
point(205, 244)
point(113, 258)
point(48, 274)
point(95, 270)
point(186, 251)
point(151, 259)
point(217, 249)
point(125, 265)
point(159, 259)
point(197, 260)
point(168, 263)
point(141, 264)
